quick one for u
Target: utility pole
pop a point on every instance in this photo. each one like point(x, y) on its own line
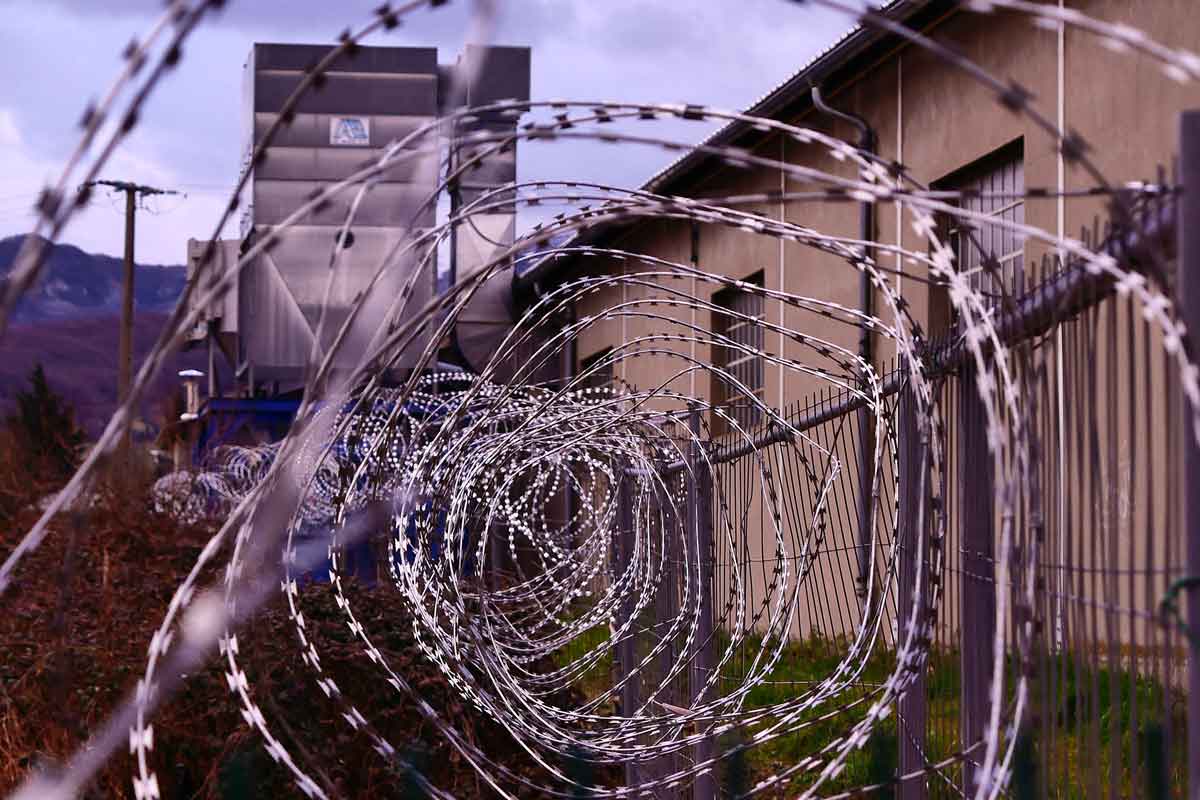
point(125, 356)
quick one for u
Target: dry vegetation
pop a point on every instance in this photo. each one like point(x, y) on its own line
point(73, 635)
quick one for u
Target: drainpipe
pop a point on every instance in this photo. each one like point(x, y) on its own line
point(570, 360)
point(868, 142)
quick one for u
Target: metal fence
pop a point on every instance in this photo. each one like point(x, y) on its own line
point(1105, 506)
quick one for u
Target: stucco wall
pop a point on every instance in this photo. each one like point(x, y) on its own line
point(935, 119)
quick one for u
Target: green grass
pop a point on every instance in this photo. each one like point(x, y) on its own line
point(1060, 755)
point(598, 677)
point(802, 665)
point(1092, 707)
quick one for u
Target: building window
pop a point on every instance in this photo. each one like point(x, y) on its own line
point(738, 317)
point(993, 186)
point(602, 378)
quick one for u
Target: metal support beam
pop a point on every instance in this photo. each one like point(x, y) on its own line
point(977, 594)
point(626, 655)
point(666, 613)
point(866, 497)
point(1189, 295)
point(700, 571)
point(912, 711)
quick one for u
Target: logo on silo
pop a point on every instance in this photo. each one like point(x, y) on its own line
point(350, 132)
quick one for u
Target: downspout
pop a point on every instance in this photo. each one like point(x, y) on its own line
point(568, 370)
point(868, 142)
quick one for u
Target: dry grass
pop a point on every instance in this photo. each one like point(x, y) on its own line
point(73, 634)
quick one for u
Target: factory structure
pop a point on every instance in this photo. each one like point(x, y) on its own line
point(260, 335)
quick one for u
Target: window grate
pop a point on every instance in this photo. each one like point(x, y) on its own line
point(738, 319)
point(994, 187)
point(603, 376)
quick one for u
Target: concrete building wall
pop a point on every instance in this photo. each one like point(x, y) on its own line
point(936, 120)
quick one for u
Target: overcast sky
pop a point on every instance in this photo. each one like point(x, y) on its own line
point(57, 54)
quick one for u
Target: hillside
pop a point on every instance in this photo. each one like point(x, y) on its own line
point(80, 358)
point(76, 284)
point(69, 323)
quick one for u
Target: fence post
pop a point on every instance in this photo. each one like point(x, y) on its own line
point(977, 593)
point(700, 556)
point(1188, 227)
point(866, 499)
point(666, 604)
point(626, 655)
point(912, 710)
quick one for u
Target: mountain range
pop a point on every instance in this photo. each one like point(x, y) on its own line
point(68, 322)
point(75, 284)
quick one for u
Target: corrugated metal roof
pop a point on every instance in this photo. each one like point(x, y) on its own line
point(785, 91)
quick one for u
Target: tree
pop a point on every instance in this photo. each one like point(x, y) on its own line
point(45, 430)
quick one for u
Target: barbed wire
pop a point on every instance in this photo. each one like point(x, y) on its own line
point(466, 470)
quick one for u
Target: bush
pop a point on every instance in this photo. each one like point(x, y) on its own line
point(74, 642)
point(39, 446)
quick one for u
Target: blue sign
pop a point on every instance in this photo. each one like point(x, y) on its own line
point(350, 132)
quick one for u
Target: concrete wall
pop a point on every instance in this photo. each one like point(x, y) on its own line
point(935, 119)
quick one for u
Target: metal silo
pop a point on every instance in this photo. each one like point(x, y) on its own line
point(379, 95)
point(260, 335)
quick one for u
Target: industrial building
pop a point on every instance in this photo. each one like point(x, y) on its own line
point(950, 131)
point(945, 126)
point(260, 335)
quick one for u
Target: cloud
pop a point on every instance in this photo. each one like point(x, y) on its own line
point(321, 20)
point(163, 224)
point(9, 135)
point(721, 52)
point(238, 13)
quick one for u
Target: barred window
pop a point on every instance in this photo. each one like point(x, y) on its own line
point(993, 186)
point(738, 317)
point(603, 376)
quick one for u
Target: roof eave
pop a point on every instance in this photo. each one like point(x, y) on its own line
point(788, 93)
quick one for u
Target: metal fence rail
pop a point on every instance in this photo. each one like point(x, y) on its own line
point(1103, 507)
